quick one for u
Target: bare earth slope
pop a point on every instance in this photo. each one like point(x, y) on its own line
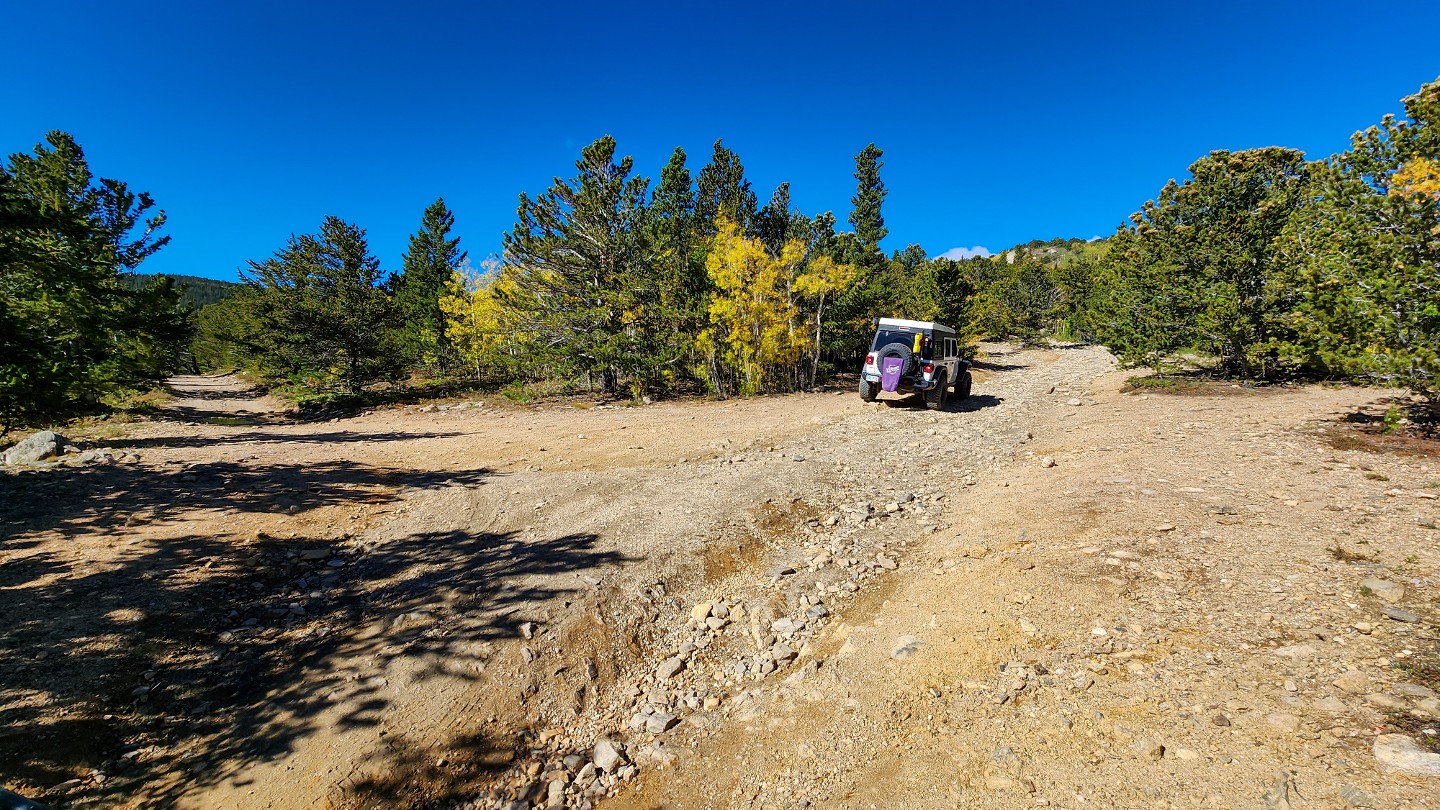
point(1019, 601)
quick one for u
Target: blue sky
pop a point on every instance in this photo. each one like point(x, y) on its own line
point(1001, 123)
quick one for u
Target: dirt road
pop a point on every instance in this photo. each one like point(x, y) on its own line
point(1050, 594)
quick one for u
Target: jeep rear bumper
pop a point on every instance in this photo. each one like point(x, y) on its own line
point(905, 385)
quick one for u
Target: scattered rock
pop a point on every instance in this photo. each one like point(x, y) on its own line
point(655, 754)
point(1414, 690)
point(1295, 651)
point(1384, 589)
point(1149, 748)
point(1353, 682)
point(660, 722)
point(905, 647)
point(1277, 795)
point(782, 653)
point(1047, 461)
point(1283, 721)
point(1401, 615)
point(1073, 402)
point(1355, 797)
point(669, 668)
point(607, 756)
point(1386, 701)
point(1397, 753)
point(34, 448)
point(787, 626)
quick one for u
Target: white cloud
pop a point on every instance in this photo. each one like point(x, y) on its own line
point(960, 253)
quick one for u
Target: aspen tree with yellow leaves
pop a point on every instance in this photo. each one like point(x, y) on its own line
point(480, 326)
point(765, 314)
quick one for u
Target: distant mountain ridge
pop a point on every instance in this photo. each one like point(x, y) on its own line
point(199, 291)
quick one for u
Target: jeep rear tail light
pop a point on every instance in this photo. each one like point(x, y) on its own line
point(929, 368)
point(869, 359)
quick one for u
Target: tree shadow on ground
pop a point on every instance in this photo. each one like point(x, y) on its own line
point(187, 415)
point(216, 395)
point(97, 498)
point(983, 365)
point(260, 437)
point(974, 402)
point(181, 662)
point(1399, 425)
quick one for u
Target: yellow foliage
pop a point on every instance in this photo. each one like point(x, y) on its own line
point(1419, 176)
point(476, 319)
point(759, 321)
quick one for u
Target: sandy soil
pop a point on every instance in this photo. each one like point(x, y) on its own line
point(1052, 594)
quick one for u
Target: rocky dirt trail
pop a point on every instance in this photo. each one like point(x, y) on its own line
point(1052, 594)
point(1161, 602)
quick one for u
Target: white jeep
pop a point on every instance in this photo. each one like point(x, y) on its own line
point(914, 357)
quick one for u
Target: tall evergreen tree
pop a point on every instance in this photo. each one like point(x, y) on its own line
point(674, 200)
point(870, 192)
point(433, 257)
point(772, 223)
point(722, 190)
point(581, 253)
point(677, 300)
point(316, 310)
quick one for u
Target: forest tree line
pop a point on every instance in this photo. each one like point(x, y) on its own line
point(1274, 265)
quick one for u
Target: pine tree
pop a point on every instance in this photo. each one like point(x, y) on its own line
point(316, 311)
point(1366, 251)
point(722, 190)
point(1199, 267)
point(773, 222)
point(583, 256)
point(71, 330)
point(429, 263)
point(870, 192)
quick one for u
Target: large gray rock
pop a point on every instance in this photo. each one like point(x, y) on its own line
point(606, 756)
point(35, 447)
point(660, 722)
point(1399, 753)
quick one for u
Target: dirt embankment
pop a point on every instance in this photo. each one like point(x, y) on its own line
point(1052, 594)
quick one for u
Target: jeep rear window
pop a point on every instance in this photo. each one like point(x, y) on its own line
point(885, 337)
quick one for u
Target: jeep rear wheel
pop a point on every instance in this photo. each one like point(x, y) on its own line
point(935, 397)
point(962, 385)
point(869, 390)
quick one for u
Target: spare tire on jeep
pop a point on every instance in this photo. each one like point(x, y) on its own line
point(904, 354)
point(896, 349)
